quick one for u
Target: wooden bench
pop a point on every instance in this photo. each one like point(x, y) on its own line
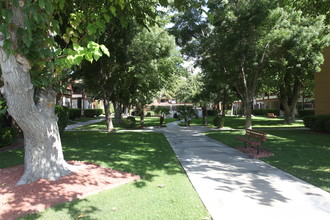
point(253, 138)
point(271, 115)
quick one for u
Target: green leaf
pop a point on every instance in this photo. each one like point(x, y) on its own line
point(113, 10)
point(89, 57)
point(105, 50)
point(106, 17)
point(42, 4)
point(91, 28)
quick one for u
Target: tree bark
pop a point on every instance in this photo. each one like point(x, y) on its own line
point(248, 113)
point(108, 118)
point(118, 111)
point(288, 97)
point(43, 149)
point(204, 115)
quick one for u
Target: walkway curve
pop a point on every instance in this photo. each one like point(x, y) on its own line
point(234, 186)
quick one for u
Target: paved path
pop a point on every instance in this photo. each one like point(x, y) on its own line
point(80, 124)
point(233, 186)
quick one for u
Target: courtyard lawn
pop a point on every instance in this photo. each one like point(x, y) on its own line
point(146, 154)
point(304, 154)
point(148, 122)
point(257, 122)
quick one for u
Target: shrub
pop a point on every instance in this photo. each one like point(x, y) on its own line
point(62, 113)
point(327, 126)
point(306, 112)
point(176, 115)
point(239, 111)
point(317, 122)
point(74, 113)
point(129, 122)
point(309, 121)
point(186, 113)
point(99, 111)
point(8, 136)
point(91, 113)
point(150, 113)
point(212, 112)
point(219, 121)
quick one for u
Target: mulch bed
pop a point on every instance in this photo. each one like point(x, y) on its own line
point(16, 201)
point(253, 152)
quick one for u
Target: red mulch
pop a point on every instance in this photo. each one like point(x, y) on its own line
point(16, 201)
point(253, 152)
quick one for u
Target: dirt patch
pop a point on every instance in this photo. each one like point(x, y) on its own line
point(253, 152)
point(16, 201)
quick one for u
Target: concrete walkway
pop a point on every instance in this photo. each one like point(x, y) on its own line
point(80, 124)
point(234, 186)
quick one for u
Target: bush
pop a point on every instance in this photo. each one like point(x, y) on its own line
point(327, 126)
point(212, 112)
point(150, 113)
point(176, 115)
point(306, 112)
point(99, 111)
point(74, 113)
point(219, 121)
point(129, 122)
point(62, 113)
point(91, 113)
point(309, 121)
point(8, 136)
point(317, 122)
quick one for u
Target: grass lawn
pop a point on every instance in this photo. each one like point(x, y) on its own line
point(257, 122)
point(304, 154)
point(148, 121)
point(146, 154)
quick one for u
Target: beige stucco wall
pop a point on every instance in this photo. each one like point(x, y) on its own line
point(322, 86)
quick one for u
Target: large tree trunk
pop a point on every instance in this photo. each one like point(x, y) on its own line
point(43, 150)
point(118, 111)
point(248, 113)
point(108, 115)
point(288, 97)
point(204, 114)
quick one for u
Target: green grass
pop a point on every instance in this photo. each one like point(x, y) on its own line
point(304, 154)
point(148, 121)
point(146, 154)
point(257, 122)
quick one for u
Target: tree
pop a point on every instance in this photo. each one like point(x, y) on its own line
point(154, 62)
point(38, 40)
point(237, 49)
point(295, 56)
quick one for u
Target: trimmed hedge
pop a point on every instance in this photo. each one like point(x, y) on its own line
point(212, 112)
point(320, 123)
point(8, 136)
point(265, 111)
point(62, 113)
point(74, 113)
point(306, 112)
point(90, 113)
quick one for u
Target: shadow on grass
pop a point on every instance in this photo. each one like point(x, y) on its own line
point(73, 209)
point(301, 153)
point(144, 154)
